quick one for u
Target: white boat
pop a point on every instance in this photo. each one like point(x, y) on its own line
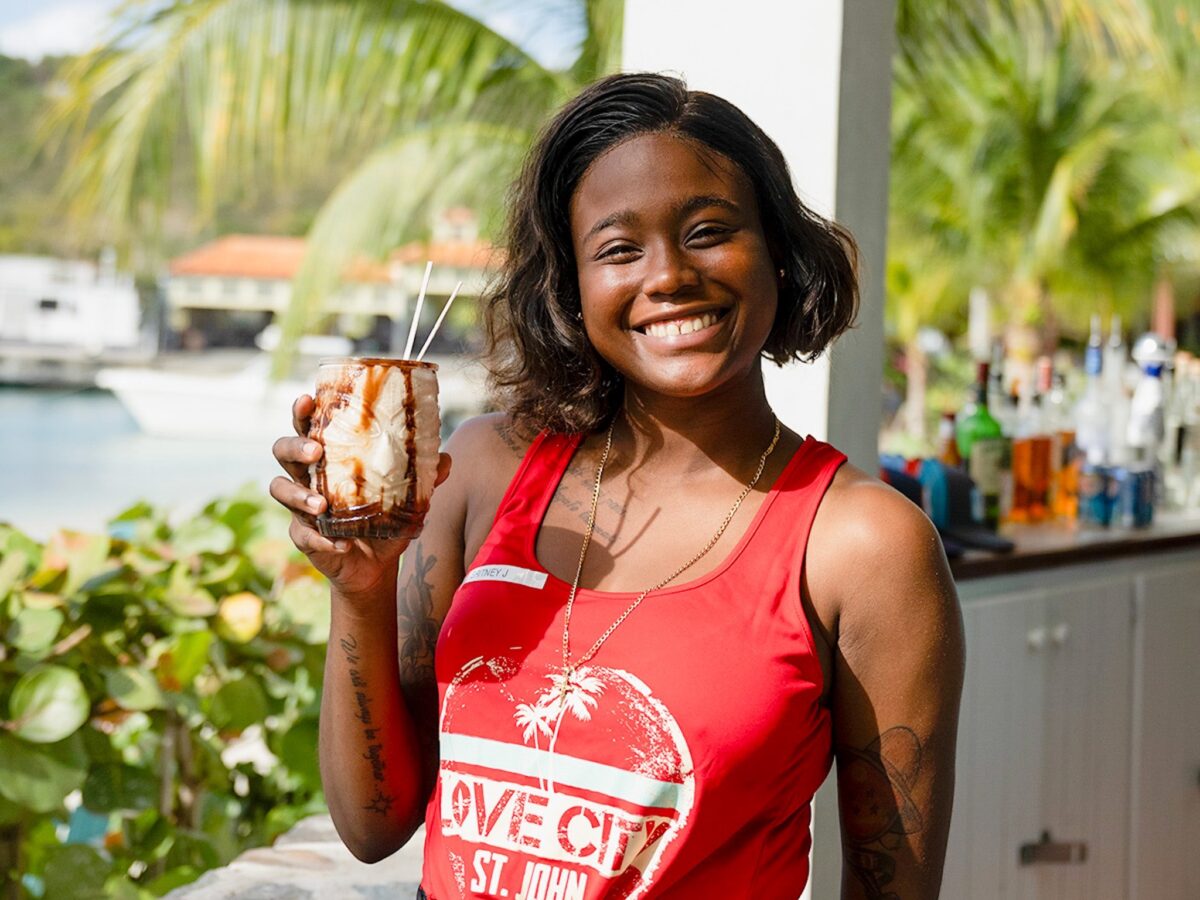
point(245, 405)
point(62, 319)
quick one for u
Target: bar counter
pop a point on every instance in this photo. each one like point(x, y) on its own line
point(1053, 545)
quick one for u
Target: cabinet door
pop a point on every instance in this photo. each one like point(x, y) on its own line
point(1086, 749)
point(1000, 737)
point(1166, 790)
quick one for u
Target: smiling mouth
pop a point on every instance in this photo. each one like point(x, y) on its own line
point(683, 324)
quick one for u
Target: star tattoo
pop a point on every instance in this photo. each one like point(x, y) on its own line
point(380, 803)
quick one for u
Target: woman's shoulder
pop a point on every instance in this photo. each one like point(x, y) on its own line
point(867, 537)
point(486, 451)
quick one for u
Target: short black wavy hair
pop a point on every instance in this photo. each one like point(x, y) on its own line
point(544, 370)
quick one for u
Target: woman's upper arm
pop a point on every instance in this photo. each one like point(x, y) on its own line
point(898, 670)
point(432, 570)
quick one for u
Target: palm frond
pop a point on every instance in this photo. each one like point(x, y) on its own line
point(269, 86)
point(390, 198)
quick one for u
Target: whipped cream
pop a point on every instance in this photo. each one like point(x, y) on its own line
point(381, 441)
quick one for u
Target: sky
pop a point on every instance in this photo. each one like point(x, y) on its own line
point(36, 28)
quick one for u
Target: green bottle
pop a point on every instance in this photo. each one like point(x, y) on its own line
point(985, 452)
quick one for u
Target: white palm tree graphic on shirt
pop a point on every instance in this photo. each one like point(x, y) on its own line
point(574, 692)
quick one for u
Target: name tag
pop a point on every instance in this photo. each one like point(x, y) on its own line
point(511, 574)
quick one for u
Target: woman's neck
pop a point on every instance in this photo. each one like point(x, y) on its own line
point(728, 427)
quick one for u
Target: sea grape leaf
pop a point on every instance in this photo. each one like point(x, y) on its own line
point(304, 605)
point(48, 703)
point(133, 688)
point(183, 657)
point(9, 811)
point(185, 597)
point(238, 705)
point(114, 786)
point(39, 776)
point(82, 555)
point(298, 751)
point(34, 630)
point(74, 872)
point(223, 572)
point(202, 536)
point(12, 567)
point(41, 600)
point(172, 879)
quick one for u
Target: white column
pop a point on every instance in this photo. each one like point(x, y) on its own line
point(816, 75)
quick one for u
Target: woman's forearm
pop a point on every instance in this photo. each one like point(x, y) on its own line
point(369, 751)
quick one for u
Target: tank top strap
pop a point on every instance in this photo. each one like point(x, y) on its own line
point(529, 494)
point(792, 506)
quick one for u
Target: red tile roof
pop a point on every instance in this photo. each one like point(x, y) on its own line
point(272, 257)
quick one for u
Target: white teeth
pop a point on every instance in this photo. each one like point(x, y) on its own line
point(681, 326)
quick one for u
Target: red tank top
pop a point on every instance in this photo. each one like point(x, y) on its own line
point(683, 762)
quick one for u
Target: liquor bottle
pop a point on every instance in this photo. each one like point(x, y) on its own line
point(982, 445)
point(1032, 453)
point(948, 441)
point(1177, 425)
point(1093, 434)
point(1116, 363)
point(1064, 489)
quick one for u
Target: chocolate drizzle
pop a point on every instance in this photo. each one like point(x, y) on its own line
point(362, 518)
point(410, 438)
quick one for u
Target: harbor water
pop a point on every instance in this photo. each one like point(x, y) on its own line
point(75, 458)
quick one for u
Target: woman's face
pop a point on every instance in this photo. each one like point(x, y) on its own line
point(678, 288)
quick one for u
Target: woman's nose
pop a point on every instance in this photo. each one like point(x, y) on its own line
point(669, 271)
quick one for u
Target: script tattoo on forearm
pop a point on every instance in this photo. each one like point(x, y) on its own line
point(418, 634)
point(381, 802)
point(878, 784)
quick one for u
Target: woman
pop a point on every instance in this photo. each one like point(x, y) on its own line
point(657, 613)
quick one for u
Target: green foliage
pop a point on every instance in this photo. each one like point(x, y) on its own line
point(1045, 151)
point(159, 696)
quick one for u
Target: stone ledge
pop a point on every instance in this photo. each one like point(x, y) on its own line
point(310, 861)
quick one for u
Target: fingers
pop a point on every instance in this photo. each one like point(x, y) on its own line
point(296, 454)
point(309, 541)
point(443, 470)
point(296, 497)
point(302, 411)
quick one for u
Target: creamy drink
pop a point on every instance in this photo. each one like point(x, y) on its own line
point(378, 422)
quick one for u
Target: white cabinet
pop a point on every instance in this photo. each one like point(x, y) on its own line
point(998, 772)
point(1044, 745)
point(1166, 745)
point(1086, 750)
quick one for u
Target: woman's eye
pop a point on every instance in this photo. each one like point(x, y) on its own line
point(707, 235)
point(616, 251)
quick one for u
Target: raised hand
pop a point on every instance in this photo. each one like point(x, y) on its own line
point(356, 567)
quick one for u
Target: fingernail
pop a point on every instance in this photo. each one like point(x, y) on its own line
point(341, 546)
point(310, 448)
point(314, 502)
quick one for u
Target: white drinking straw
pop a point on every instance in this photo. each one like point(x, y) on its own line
point(412, 329)
point(438, 323)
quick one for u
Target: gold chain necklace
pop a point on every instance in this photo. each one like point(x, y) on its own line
point(570, 668)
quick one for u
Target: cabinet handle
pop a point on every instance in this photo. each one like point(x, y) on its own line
point(1060, 633)
point(1036, 639)
point(1045, 850)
